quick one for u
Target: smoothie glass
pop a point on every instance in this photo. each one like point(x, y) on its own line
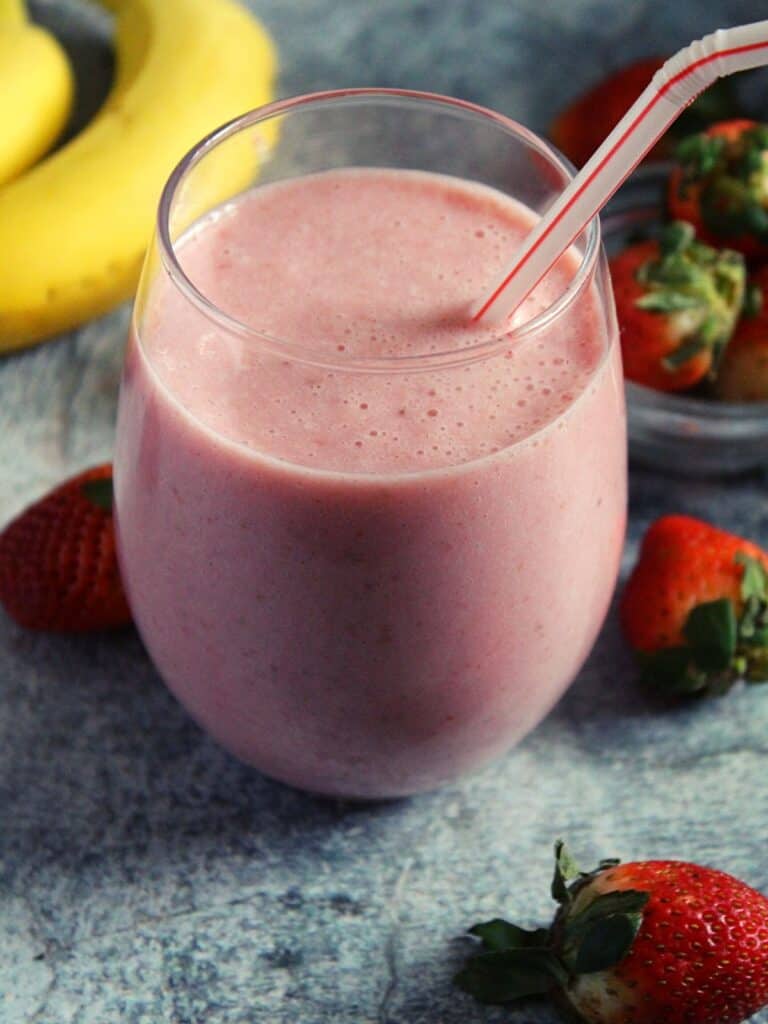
point(367, 558)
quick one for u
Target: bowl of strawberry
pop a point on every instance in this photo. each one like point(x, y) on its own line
point(688, 248)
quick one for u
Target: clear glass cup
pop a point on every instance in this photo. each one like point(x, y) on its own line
point(349, 625)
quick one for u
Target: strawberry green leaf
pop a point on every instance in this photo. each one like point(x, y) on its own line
point(751, 161)
point(663, 301)
point(730, 207)
point(501, 977)
point(754, 580)
point(676, 237)
point(711, 632)
point(497, 935)
point(757, 139)
point(684, 353)
point(594, 933)
point(672, 271)
point(609, 904)
point(668, 671)
point(99, 492)
point(751, 625)
point(566, 870)
point(606, 942)
point(699, 155)
point(709, 331)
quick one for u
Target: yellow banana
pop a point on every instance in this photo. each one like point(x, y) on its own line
point(73, 230)
point(12, 12)
point(36, 90)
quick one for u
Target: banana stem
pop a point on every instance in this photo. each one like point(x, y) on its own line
point(12, 12)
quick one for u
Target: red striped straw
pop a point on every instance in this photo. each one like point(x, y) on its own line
point(676, 84)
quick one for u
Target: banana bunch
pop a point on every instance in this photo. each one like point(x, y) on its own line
point(74, 228)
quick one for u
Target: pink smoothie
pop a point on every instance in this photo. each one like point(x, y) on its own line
point(367, 580)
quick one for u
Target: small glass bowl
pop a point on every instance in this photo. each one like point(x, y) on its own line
point(689, 435)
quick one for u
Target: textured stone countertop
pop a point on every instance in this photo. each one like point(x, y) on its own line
point(148, 878)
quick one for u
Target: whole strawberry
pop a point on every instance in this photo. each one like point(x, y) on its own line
point(720, 185)
point(677, 302)
point(652, 942)
point(58, 567)
point(696, 608)
point(743, 373)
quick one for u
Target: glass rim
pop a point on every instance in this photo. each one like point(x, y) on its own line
point(399, 363)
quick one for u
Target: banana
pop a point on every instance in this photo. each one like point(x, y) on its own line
point(36, 90)
point(12, 12)
point(74, 229)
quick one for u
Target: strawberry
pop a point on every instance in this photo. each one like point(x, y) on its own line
point(720, 185)
point(582, 126)
point(743, 373)
point(677, 302)
point(696, 608)
point(651, 942)
point(58, 568)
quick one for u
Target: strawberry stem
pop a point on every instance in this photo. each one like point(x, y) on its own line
point(721, 648)
point(733, 176)
point(590, 933)
point(699, 289)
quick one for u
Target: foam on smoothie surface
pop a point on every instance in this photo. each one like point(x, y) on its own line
point(366, 263)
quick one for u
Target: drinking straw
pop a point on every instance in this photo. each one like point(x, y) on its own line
point(676, 84)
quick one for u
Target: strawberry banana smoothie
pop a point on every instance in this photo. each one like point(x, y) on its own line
point(369, 546)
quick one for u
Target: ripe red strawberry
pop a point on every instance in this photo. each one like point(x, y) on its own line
point(696, 608)
point(653, 942)
point(58, 568)
point(721, 186)
point(582, 126)
point(677, 303)
point(743, 372)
